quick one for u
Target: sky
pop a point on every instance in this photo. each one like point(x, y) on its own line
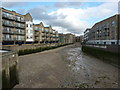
point(66, 17)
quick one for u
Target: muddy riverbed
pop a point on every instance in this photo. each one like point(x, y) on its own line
point(65, 67)
point(87, 71)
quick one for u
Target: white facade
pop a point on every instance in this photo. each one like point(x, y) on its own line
point(29, 31)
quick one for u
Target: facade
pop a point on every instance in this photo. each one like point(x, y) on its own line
point(39, 33)
point(12, 27)
point(51, 35)
point(61, 38)
point(66, 38)
point(36, 29)
point(105, 32)
point(70, 38)
point(48, 31)
point(86, 34)
point(29, 28)
point(77, 39)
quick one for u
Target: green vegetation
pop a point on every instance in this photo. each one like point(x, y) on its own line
point(106, 56)
point(30, 51)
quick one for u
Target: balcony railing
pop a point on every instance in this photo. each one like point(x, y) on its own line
point(19, 19)
point(5, 23)
point(20, 26)
point(8, 39)
point(20, 32)
point(6, 31)
point(10, 17)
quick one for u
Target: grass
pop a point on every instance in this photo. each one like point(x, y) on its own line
point(106, 56)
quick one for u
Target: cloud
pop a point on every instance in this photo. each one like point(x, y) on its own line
point(67, 4)
point(40, 13)
point(77, 20)
point(13, 4)
point(74, 20)
point(65, 17)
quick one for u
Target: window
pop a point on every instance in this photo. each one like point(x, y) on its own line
point(26, 25)
point(30, 25)
point(113, 23)
point(104, 43)
point(112, 43)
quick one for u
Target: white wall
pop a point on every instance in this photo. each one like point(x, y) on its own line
point(29, 32)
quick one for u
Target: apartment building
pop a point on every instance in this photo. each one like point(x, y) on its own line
point(77, 39)
point(12, 27)
point(36, 29)
point(42, 33)
point(66, 38)
point(69, 38)
point(39, 33)
point(19, 29)
point(105, 32)
point(86, 34)
point(29, 36)
point(48, 31)
point(61, 37)
point(56, 37)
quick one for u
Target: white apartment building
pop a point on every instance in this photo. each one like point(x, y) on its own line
point(29, 28)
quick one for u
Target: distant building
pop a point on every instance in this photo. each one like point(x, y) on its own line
point(77, 39)
point(61, 38)
point(106, 32)
point(82, 38)
point(66, 38)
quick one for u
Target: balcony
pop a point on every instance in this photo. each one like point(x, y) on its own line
point(22, 26)
point(18, 19)
point(37, 33)
point(43, 35)
point(8, 39)
point(8, 17)
point(36, 39)
point(8, 32)
point(7, 23)
point(51, 32)
point(43, 31)
point(20, 32)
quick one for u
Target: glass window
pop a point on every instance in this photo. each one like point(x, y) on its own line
point(30, 25)
point(26, 25)
point(113, 23)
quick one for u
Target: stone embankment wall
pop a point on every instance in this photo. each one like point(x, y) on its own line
point(9, 70)
point(109, 54)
